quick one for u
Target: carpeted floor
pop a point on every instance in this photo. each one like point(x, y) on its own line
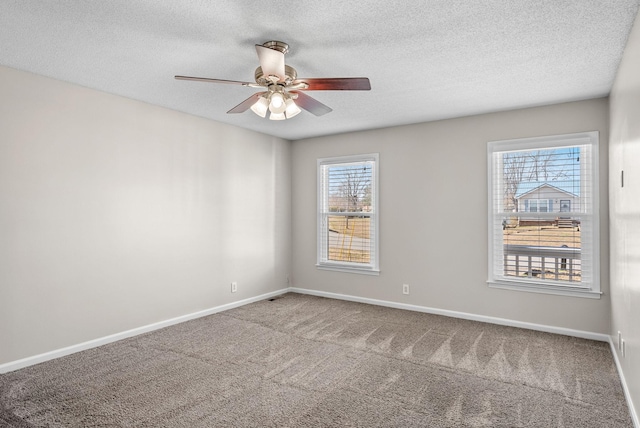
point(303, 361)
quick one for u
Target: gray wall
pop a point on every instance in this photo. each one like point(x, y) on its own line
point(433, 215)
point(625, 211)
point(115, 214)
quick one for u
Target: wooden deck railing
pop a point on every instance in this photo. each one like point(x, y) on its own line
point(557, 263)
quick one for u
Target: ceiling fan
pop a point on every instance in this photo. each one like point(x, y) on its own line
point(283, 96)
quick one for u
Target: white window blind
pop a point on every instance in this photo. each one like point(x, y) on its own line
point(347, 213)
point(543, 214)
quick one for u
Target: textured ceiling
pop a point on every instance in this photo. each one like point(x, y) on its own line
point(427, 60)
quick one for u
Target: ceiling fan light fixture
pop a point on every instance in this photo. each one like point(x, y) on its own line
point(261, 106)
point(291, 108)
point(276, 103)
point(277, 116)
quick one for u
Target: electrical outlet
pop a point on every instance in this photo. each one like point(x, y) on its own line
point(288, 280)
point(619, 341)
point(405, 288)
point(622, 350)
point(234, 287)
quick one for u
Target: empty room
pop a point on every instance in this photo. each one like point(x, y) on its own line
point(320, 214)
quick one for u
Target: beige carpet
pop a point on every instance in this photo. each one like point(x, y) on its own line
point(302, 361)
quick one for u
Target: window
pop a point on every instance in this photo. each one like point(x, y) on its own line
point(537, 205)
point(348, 214)
point(543, 214)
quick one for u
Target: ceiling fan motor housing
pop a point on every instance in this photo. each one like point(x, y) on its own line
point(290, 75)
point(277, 46)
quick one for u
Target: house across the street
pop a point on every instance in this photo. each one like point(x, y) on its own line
point(546, 197)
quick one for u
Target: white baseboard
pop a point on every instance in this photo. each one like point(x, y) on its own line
point(625, 388)
point(25, 362)
point(456, 314)
point(29, 361)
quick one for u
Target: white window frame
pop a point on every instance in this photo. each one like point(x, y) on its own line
point(371, 268)
point(588, 210)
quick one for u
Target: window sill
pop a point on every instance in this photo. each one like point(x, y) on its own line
point(545, 289)
point(348, 269)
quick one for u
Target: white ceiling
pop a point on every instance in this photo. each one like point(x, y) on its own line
point(427, 60)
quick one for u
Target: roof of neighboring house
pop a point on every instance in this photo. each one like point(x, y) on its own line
point(571, 188)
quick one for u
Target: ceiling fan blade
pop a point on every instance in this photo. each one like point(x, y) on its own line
point(271, 61)
point(336, 84)
point(311, 104)
point(206, 79)
point(246, 104)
